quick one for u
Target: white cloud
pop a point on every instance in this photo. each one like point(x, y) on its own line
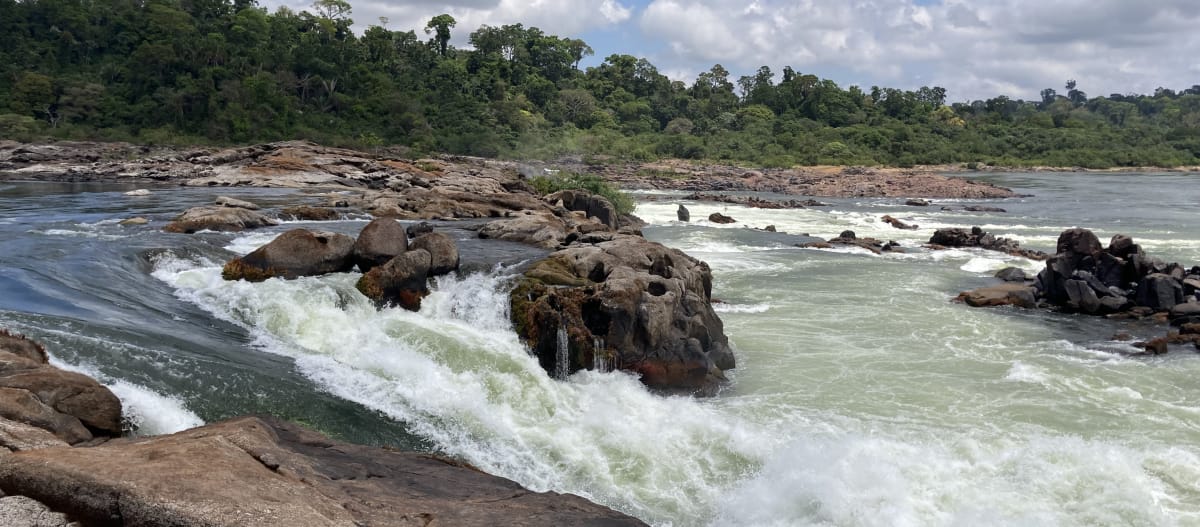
point(975, 49)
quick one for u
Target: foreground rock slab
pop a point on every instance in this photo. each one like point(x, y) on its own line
point(264, 472)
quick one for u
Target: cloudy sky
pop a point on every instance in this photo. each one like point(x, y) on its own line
point(975, 49)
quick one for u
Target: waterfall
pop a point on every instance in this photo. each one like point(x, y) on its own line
point(562, 362)
point(600, 356)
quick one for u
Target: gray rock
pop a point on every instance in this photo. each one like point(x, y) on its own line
point(1082, 297)
point(442, 250)
point(224, 219)
point(1012, 274)
point(226, 201)
point(19, 511)
point(683, 213)
point(594, 205)
point(1159, 292)
point(295, 253)
point(380, 241)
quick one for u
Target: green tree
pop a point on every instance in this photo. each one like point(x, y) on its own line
point(440, 27)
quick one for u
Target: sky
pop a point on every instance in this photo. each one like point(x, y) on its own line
point(975, 49)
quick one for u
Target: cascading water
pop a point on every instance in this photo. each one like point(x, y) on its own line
point(562, 350)
point(600, 359)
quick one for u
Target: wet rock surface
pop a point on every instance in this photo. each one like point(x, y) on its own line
point(976, 237)
point(620, 302)
point(295, 253)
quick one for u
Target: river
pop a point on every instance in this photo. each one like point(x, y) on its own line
point(862, 396)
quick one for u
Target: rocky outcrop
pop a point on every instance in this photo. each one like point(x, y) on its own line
point(19, 511)
point(683, 214)
point(402, 281)
point(262, 472)
point(295, 253)
point(719, 218)
point(755, 202)
point(542, 229)
point(380, 241)
point(218, 218)
point(41, 405)
point(613, 301)
point(976, 237)
point(593, 205)
point(850, 239)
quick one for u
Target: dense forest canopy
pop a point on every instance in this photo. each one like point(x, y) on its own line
point(229, 71)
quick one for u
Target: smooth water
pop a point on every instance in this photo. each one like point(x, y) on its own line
point(862, 397)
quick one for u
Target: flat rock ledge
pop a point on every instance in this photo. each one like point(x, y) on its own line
point(247, 471)
point(260, 471)
point(612, 301)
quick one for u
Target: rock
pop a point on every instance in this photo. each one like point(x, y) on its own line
point(542, 229)
point(1121, 246)
point(957, 237)
point(847, 235)
point(226, 201)
point(418, 229)
point(19, 511)
point(138, 192)
point(263, 472)
point(1082, 297)
point(1183, 314)
point(295, 253)
point(1159, 292)
point(1000, 295)
point(308, 213)
point(402, 281)
point(1078, 242)
point(899, 224)
point(380, 241)
point(16, 436)
point(980, 208)
point(683, 213)
point(1012, 274)
point(594, 205)
point(770, 228)
point(223, 219)
point(917, 203)
point(134, 221)
point(717, 217)
point(628, 303)
point(1156, 346)
point(442, 251)
point(72, 407)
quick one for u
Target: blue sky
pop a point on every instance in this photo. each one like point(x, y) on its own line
point(975, 49)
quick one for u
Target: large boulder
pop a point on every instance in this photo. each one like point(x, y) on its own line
point(541, 229)
point(593, 205)
point(1159, 292)
point(266, 473)
point(223, 219)
point(295, 253)
point(443, 252)
point(683, 213)
point(310, 213)
point(622, 302)
point(402, 281)
point(71, 407)
point(1077, 241)
point(719, 218)
point(380, 241)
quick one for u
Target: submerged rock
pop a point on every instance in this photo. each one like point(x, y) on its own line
point(622, 302)
point(223, 219)
point(899, 224)
point(380, 241)
point(256, 471)
point(717, 217)
point(295, 253)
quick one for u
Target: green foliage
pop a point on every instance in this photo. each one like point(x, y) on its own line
point(591, 183)
point(230, 72)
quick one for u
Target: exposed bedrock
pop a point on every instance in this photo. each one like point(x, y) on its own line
point(614, 301)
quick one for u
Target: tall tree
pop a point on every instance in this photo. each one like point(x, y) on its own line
point(440, 27)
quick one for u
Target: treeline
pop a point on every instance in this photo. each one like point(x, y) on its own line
point(229, 71)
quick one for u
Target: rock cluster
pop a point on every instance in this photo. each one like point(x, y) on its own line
point(1119, 281)
point(562, 216)
point(43, 406)
point(755, 202)
point(976, 237)
point(614, 301)
point(248, 471)
point(850, 239)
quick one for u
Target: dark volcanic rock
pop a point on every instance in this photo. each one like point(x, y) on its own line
point(225, 219)
point(295, 253)
point(402, 281)
point(626, 302)
point(1160, 292)
point(262, 472)
point(380, 241)
point(957, 237)
point(683, 214)
point(899, 224)
point(1012, 274)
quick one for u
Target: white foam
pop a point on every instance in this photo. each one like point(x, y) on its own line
point(248, 243)
point(741, 308)
point(146, 411)
point(1022, 372)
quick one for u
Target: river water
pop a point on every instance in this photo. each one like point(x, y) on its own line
point(863, 396)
